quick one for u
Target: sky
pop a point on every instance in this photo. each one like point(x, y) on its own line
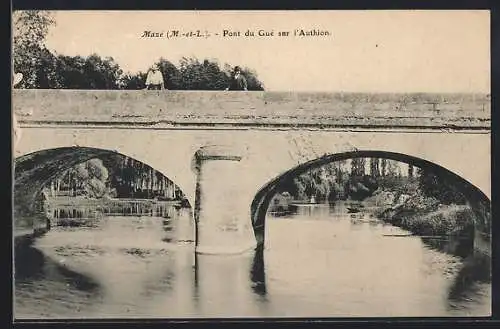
point(365, 51)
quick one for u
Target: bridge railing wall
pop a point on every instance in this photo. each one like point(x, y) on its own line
point(260, 108)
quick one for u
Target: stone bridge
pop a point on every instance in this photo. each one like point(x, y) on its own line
point(229, 151)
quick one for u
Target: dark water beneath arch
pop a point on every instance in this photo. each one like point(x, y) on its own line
point(320, 261)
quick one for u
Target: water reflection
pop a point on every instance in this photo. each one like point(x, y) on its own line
point(472, 279)
point(30, 264)
point(456, 246)
point(59, 290)
point(75, 215)
point(463, 277)
point(319, 261)
point(471, 284)
point(258, 273)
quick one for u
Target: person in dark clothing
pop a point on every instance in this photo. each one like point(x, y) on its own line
point(238, 81)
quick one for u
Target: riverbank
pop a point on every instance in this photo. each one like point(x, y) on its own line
point(423, 215)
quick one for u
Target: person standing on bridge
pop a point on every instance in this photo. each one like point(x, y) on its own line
point(238, 81)
point(154, 80)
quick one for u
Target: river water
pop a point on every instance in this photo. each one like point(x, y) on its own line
point(318, 262)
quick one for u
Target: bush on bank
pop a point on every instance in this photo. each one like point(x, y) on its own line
point(450, 220)
point(423, 215)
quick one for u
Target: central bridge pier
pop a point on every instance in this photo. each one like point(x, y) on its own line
point(223, 220)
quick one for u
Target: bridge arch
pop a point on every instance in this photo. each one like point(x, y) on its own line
point(478, 200)
point(34, 170)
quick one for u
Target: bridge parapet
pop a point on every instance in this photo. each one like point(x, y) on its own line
point(249, 109)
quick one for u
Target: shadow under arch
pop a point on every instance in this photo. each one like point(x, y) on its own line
point(479, 202)
point(34, 170)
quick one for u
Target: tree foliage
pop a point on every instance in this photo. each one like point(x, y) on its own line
point(193, 74)
point(336, 181)
point(374, 167)
point(253, 81)
point(358, 167)
point(43, 69)
point(172, 75)
point(30, 57)
point(133, 81)
point(88, 178)
point(435, 186)
point(92, 72)
point(115, 176)
point(204, 75)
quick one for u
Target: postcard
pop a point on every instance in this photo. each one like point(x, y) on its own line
point(251, 164)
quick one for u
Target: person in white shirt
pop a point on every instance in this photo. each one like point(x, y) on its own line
point(154, 80)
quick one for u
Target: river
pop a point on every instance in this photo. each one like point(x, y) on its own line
point(318, 262)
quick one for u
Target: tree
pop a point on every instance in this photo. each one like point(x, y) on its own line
point(358, 167)
point(435, 186)
point(383, 167)
point(43, 69)
point(171, 74)
point(30, 57)
point(374, 167)
point(253, 82)
point(102, 73)
point(47, 75)
point(410, 171)
point(97, 170)
point(392, 168)
point(92, 72)
point(204, 75)
point(207, 75)
point(88, 178)
point(300, 192)
point(133, 81)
